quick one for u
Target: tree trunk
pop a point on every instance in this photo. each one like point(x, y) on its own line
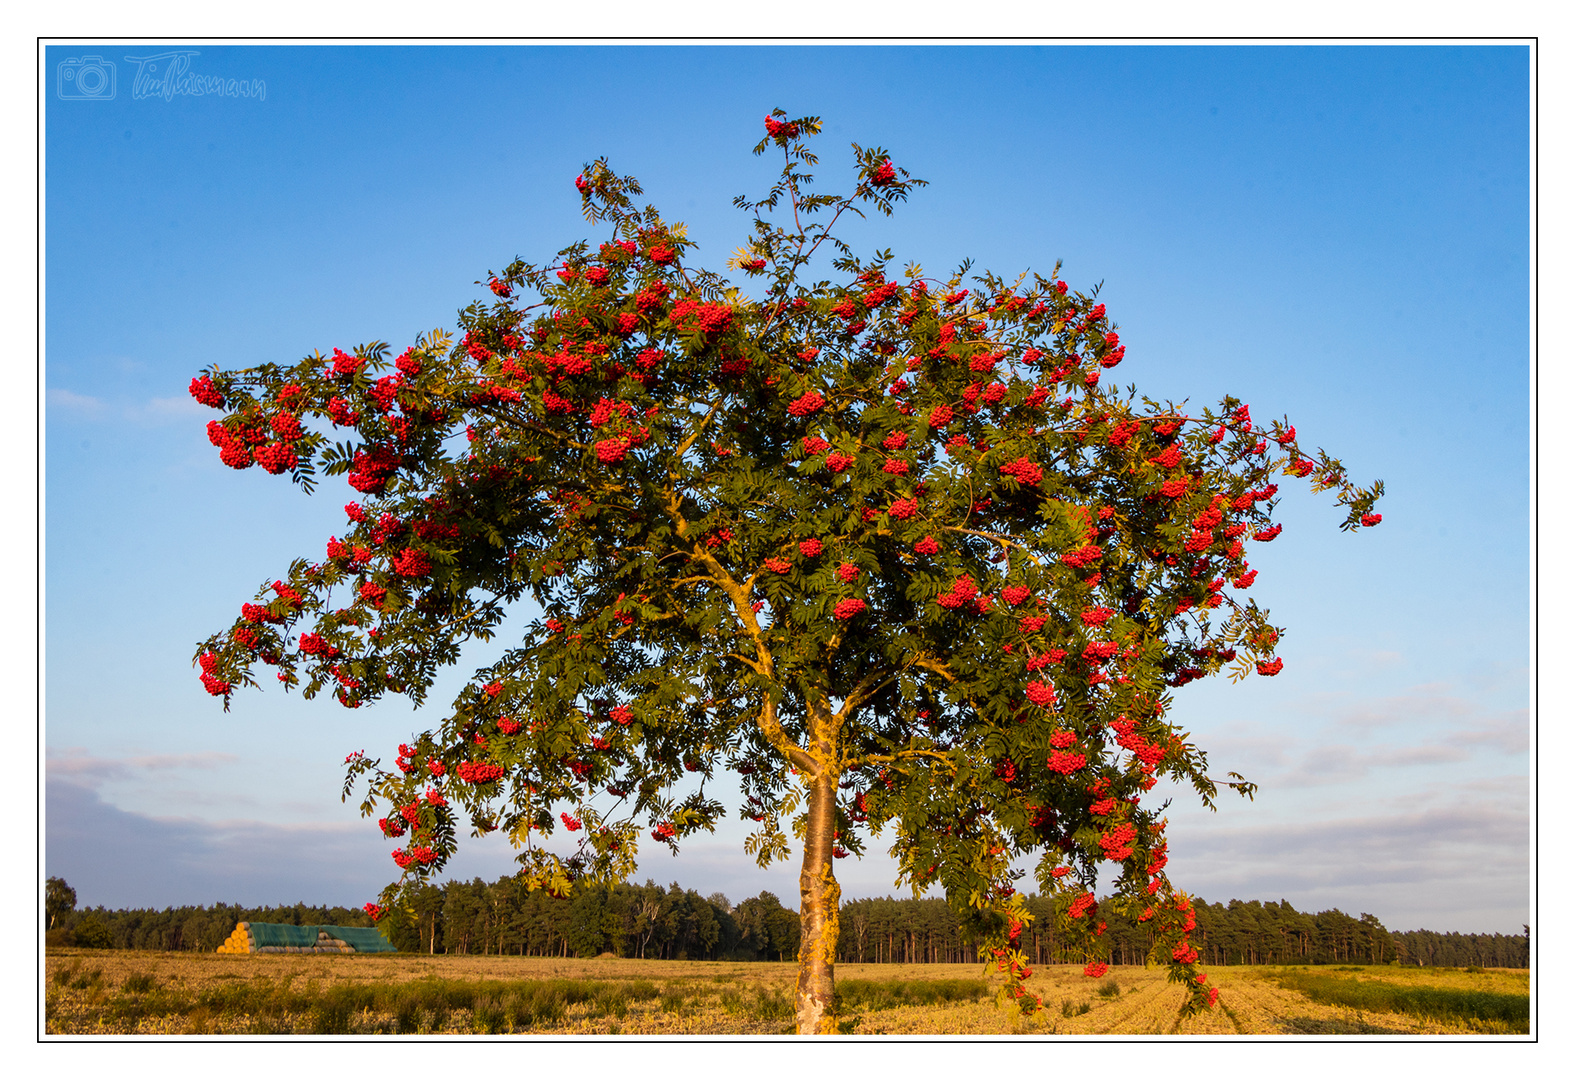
point(819, 895)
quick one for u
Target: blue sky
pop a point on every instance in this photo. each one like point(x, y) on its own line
point(1335, 234)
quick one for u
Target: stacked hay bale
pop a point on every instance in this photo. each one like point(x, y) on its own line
point(250, 938)
point(239, 941)
point(329, 944)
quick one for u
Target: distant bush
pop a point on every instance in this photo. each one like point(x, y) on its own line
point(91, 933)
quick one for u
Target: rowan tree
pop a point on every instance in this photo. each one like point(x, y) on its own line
point(887, 547)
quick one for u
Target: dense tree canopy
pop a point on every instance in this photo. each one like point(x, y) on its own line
point(887, 546)
point(60, 900)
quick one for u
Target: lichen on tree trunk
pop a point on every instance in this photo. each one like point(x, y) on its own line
point(819, 893)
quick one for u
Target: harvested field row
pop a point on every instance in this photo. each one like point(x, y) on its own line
point(121, 992)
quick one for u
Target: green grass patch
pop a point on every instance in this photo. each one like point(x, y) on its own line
point(770, 1005)
point(422, 1006)
point(1484, 1009)
point(75, 978)
point(873, 995)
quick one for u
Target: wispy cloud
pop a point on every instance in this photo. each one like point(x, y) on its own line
point(75, 765)
point(151, 411)
point(1430, 703)
point(1509, 732)
point(161, 409)
point(81, 405)
point(1428, 725)
point(1338, 763)
point(1464, 866)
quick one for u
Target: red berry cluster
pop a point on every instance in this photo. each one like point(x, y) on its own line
point(1041, 694)
point(848, 607)
point(777, 129)
point(1024, 472)
point(412, 563)
point(206, 393)
point(343, 366)
point(962, 592)
point(372, 467)
point(805, 404)
point(210, 680)
point(478, 772)
point(420, 853)
point(1065, 762)
point(1081, 557)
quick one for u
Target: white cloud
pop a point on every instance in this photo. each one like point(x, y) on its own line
point(1428, 725)
point(1430, 703)
point(1508, 732)
point(79, 404)
point(75, 765)
point(178, 408)
point(181, 407)
point(1464, 866)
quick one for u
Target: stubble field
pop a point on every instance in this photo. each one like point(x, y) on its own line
point(91, 992)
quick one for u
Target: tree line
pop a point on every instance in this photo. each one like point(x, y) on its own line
point(186, 928)
point(641, 921)
point(1429, 948)
point(648, 921)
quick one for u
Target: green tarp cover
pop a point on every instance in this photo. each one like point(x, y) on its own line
point(360, 938)
point(283, 934)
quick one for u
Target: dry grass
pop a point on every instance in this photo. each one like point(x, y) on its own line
point(117, 992)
